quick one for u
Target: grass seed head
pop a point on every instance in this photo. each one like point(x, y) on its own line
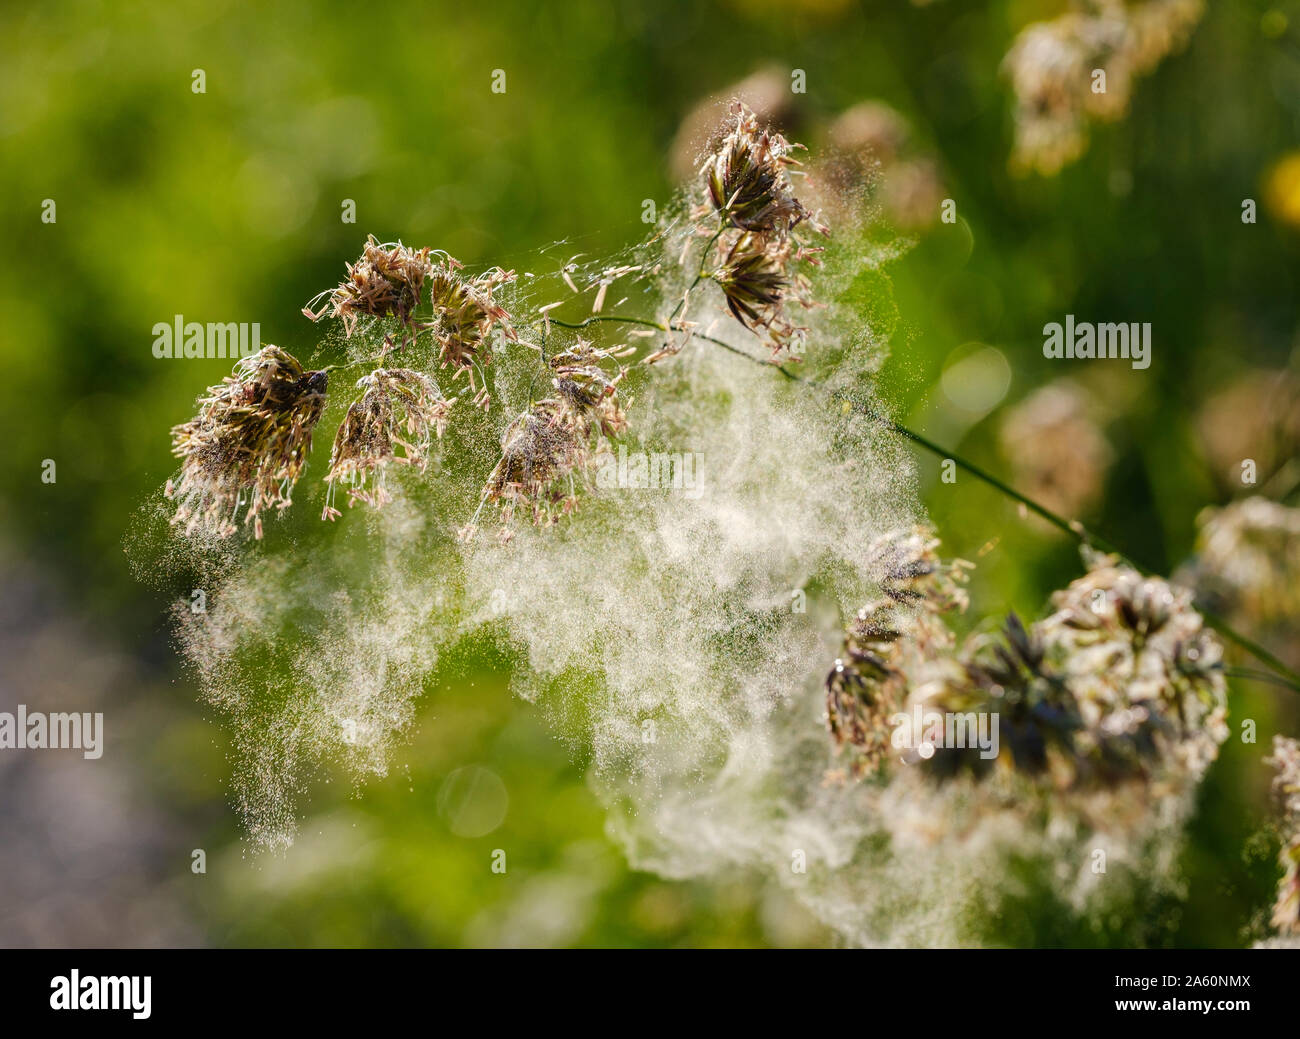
point(759, 282)
point(248, 444)
point(385, 282)
point(1120, 685)
point(891, 641)
point(543, 453)
point(748, 181)
point(393, 421)
point(1051, 65)
point(587, 389)
point(1286, 790)
point(1127, 643)
point(464, 315)
point(1248, 562)
point(548, 451)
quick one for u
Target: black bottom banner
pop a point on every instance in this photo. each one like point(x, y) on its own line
point(87, 989)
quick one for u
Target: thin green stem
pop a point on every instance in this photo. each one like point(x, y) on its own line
point(1252, 674)
point(1074, 529)
point(350, 364)
point(702, 272)
point(1284, 675)
point(605, 317)
point(1250, 646)
point(533, 383)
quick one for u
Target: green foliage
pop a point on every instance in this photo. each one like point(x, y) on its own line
point(226, 206)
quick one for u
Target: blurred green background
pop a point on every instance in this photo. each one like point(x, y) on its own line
point(225, 205)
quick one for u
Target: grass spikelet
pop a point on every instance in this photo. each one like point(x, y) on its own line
point(248, 444)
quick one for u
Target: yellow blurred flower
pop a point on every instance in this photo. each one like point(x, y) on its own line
point(1282, 189)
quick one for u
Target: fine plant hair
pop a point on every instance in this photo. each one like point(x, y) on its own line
point(486, 403)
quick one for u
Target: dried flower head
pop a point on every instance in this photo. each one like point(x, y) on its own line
point(543, 452)
point(758, 281)
point(748, 180)
point(248, 443)
point(1257, 417)
point(1248, 561)
point(1051, 67)
point(911, 573)
point(547, 452)
point(393, 421)
point(1286, 789)
point(587, 389)
point(464, 316)
point(891, 640)
point(1058, 452)
point(1120, 684)
point(385, 282)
